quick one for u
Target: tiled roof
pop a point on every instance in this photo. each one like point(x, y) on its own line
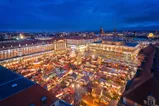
point(148, 50)
point(141, 88)
point(146, 66)
point(140, 93)
point(6, 75)
point(61, 103)
point(15, 90)
point(14, 87)
point(12, 83)
point(29, 96)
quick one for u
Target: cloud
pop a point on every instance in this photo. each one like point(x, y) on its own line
point(78, 14)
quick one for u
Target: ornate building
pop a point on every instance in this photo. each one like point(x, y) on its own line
point(22, 48)
point(78, 40)
point(60, 44)
point(127, 52)
point(101, 30)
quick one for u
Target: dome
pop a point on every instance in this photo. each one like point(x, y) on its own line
point(151, 35)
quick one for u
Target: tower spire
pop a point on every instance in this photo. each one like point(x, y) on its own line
point(101, 30)
point(115, 30)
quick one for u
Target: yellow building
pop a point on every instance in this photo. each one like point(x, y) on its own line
point(27, 47)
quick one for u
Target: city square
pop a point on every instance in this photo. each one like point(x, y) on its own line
point(78, 76)
point(79, 53)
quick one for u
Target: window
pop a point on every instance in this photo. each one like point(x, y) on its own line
point(151, 100)
point(14, 85)
point(31, 105)
point(44, 100)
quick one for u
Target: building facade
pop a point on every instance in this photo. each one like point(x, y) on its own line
point(82, 41)
point(130, 52)
point(27, 49)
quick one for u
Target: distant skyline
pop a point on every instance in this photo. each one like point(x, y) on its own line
point(78, 15)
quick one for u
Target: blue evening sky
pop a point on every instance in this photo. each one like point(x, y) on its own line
point(78, 15)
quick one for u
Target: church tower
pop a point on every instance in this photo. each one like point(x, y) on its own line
point(101, 30)
point(114, 30)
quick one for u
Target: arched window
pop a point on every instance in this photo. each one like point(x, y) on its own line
point(151, 101)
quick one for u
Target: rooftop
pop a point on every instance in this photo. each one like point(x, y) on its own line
point(12, 83)
point(140, 93)
point(80, 37)
point(147, 82)
point(7, 76)
point(14, 87)
point(129, 44)
point(16, 43)
point(32, 95)
point(61, 103)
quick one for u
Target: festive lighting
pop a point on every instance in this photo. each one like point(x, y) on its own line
point(151, 35)
point(21, 36)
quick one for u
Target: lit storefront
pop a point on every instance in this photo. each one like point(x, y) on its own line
point(129, 53)
point(26, 58)
point(60, 45)
point(12, 52)
point(25, 50)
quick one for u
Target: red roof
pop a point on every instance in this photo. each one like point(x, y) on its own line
point(149, 51)
point(29, 96)
point(147, 83)
point(140, 93)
